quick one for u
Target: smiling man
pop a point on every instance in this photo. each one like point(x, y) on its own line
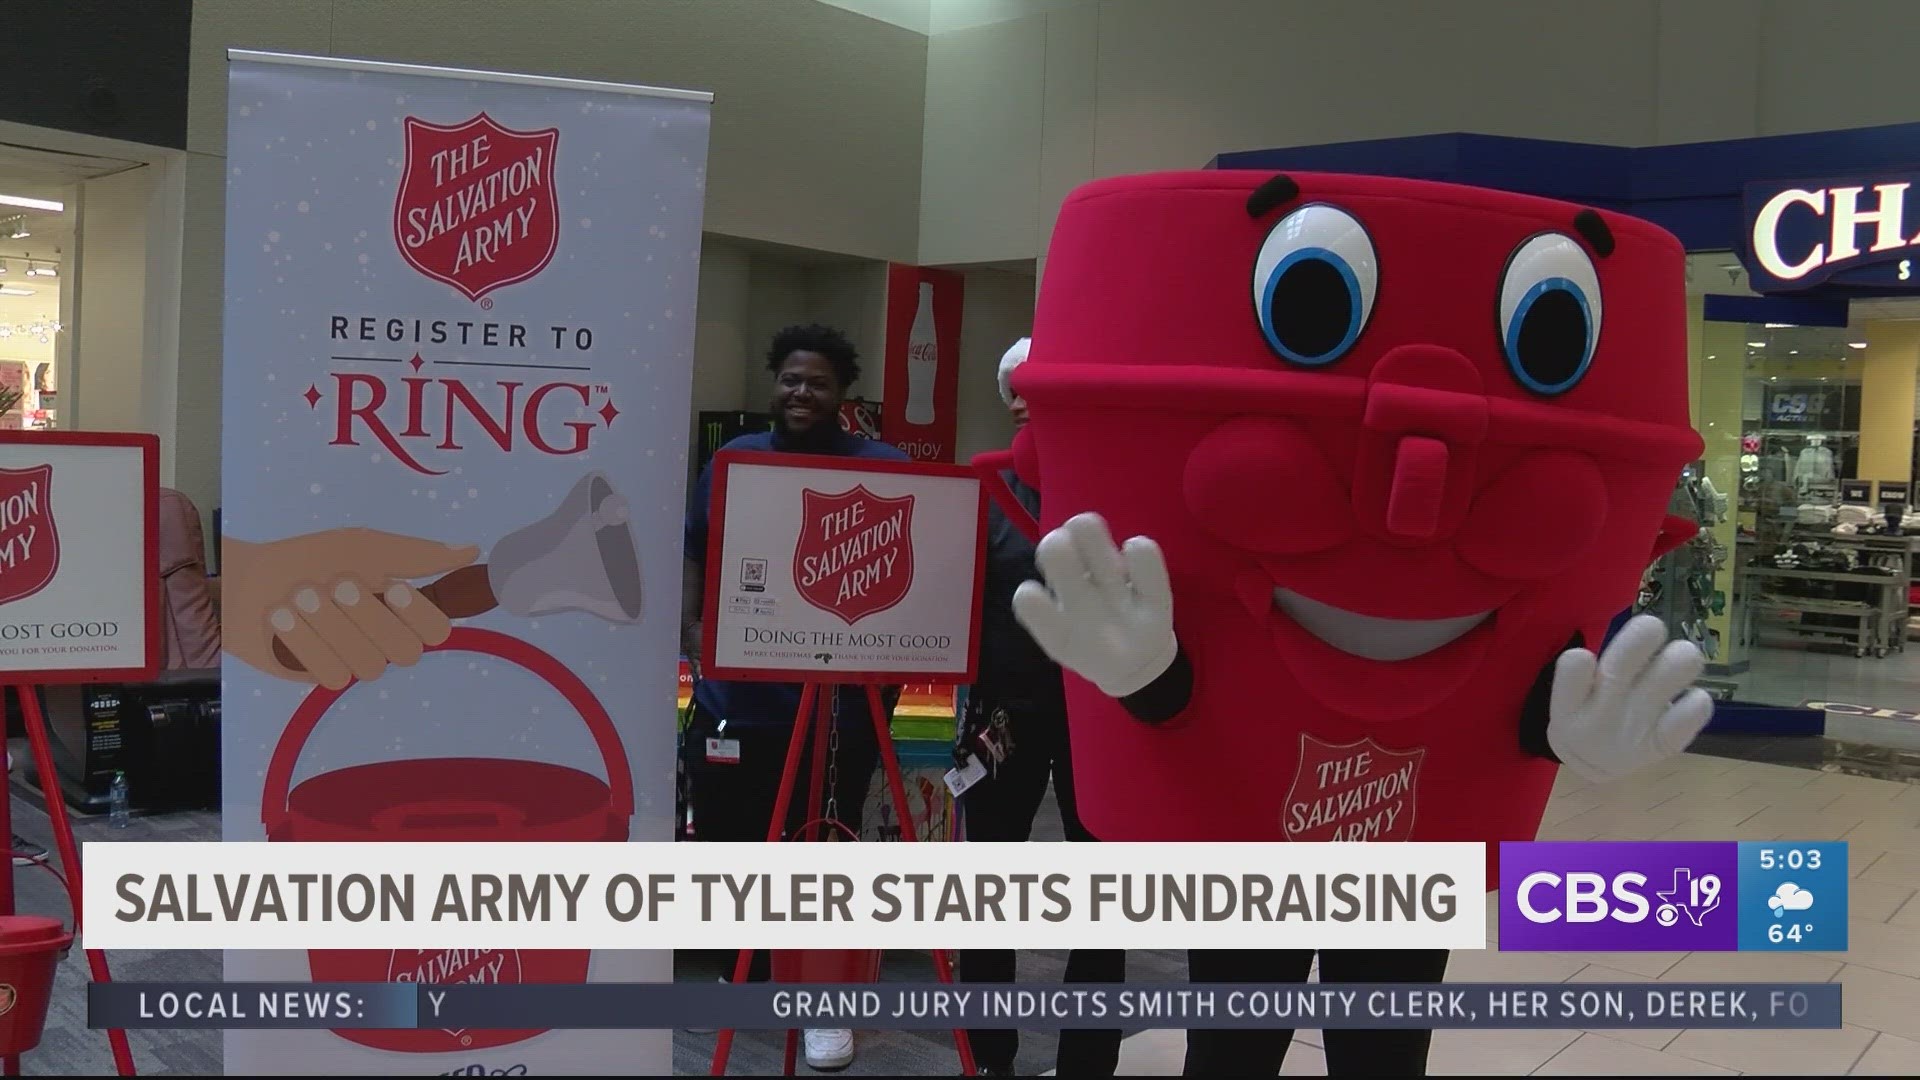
point(733, 790)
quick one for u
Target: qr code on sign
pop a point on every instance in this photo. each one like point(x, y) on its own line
point(753, 575)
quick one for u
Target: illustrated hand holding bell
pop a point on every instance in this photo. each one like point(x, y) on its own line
point(330, 607)
point(339, 605)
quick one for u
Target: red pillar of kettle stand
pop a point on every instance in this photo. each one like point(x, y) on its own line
point(813, 706)
point(36, 724)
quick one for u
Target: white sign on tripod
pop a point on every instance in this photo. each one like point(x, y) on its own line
point(843, 570)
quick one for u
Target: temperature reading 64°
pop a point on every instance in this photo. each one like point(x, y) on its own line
point(1793, 932)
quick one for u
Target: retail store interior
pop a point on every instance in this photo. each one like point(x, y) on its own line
point(36, 232)
point(1800, 583)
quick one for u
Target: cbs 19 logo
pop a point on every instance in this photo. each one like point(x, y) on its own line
point(1584, 897)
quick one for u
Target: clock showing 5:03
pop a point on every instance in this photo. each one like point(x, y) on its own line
point(1793, 896)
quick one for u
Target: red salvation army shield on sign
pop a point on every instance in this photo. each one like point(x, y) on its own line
point(29, 545)
point(855, 553)
point(477, 206)
point(1352, 791)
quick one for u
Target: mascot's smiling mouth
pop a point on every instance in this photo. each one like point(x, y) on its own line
point(1371, 637)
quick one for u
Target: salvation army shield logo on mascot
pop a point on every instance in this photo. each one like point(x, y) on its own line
point(29, 546)
point(855, 553)
point(477, 206)
point(1352, 791)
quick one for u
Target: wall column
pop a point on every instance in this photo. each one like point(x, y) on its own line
point(1886, 402)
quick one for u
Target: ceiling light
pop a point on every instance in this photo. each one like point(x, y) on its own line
point(14, 290)
point(1779, 326)
point(32, 204)
point(1750, 344)
point(1856, 344)
point(1793, 352)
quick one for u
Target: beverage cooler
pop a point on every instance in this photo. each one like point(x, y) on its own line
point(164, 735)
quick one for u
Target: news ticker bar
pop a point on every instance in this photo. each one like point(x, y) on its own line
point(936, 1006)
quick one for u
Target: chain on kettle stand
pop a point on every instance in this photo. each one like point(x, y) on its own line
point(833, 757)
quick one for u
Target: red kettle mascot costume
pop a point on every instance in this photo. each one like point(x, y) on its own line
point(1391, 455)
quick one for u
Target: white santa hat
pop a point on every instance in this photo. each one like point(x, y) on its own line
point(1011, 359)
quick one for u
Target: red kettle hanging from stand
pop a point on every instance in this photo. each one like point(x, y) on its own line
point(580, 558)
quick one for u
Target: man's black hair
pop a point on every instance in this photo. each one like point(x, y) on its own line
point(815, 338)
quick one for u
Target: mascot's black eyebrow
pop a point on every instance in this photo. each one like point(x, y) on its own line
point(1590, 225)
point(1278, 191)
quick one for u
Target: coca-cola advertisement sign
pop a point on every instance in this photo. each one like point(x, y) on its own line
point(459, 307)
point(922, 376)
point(855, 553)
point(477, 206)
point(79, 556)
point(842, 569)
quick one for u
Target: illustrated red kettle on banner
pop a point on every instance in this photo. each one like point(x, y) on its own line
point(580, 558)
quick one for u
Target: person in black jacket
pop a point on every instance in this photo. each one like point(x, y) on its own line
point(1016, 724)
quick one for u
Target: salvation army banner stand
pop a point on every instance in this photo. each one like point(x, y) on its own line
point(884, 558)
point(80, 588)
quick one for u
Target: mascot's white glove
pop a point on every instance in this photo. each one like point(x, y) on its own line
point(1104, 613)
point(1610, 715)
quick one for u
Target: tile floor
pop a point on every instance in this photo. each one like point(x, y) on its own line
point(1707, 797)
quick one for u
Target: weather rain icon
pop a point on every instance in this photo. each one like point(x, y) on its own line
point(1789, 897)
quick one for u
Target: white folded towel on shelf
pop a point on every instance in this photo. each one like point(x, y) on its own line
point(1846, 528)
point(1815, 514)
point(1855, 515)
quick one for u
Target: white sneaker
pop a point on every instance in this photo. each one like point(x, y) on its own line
point(829, 1049)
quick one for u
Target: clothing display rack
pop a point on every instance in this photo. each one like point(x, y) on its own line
point(1678, 588)
point(1817, 584)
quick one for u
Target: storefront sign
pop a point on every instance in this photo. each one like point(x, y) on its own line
point(1858, 492)
point(459, 309)
point(1855, 231)
point(79, 557)
point(922, 388)
point(843, 570)
point(1793, 406)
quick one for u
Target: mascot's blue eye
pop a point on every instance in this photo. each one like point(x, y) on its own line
point(1314, 284)
point(1549, 315)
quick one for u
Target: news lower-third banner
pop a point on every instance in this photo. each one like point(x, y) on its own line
point(433, 898)
point(936, 1006)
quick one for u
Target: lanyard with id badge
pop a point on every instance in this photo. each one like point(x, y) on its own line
point(979, 750)
point(722, 750)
